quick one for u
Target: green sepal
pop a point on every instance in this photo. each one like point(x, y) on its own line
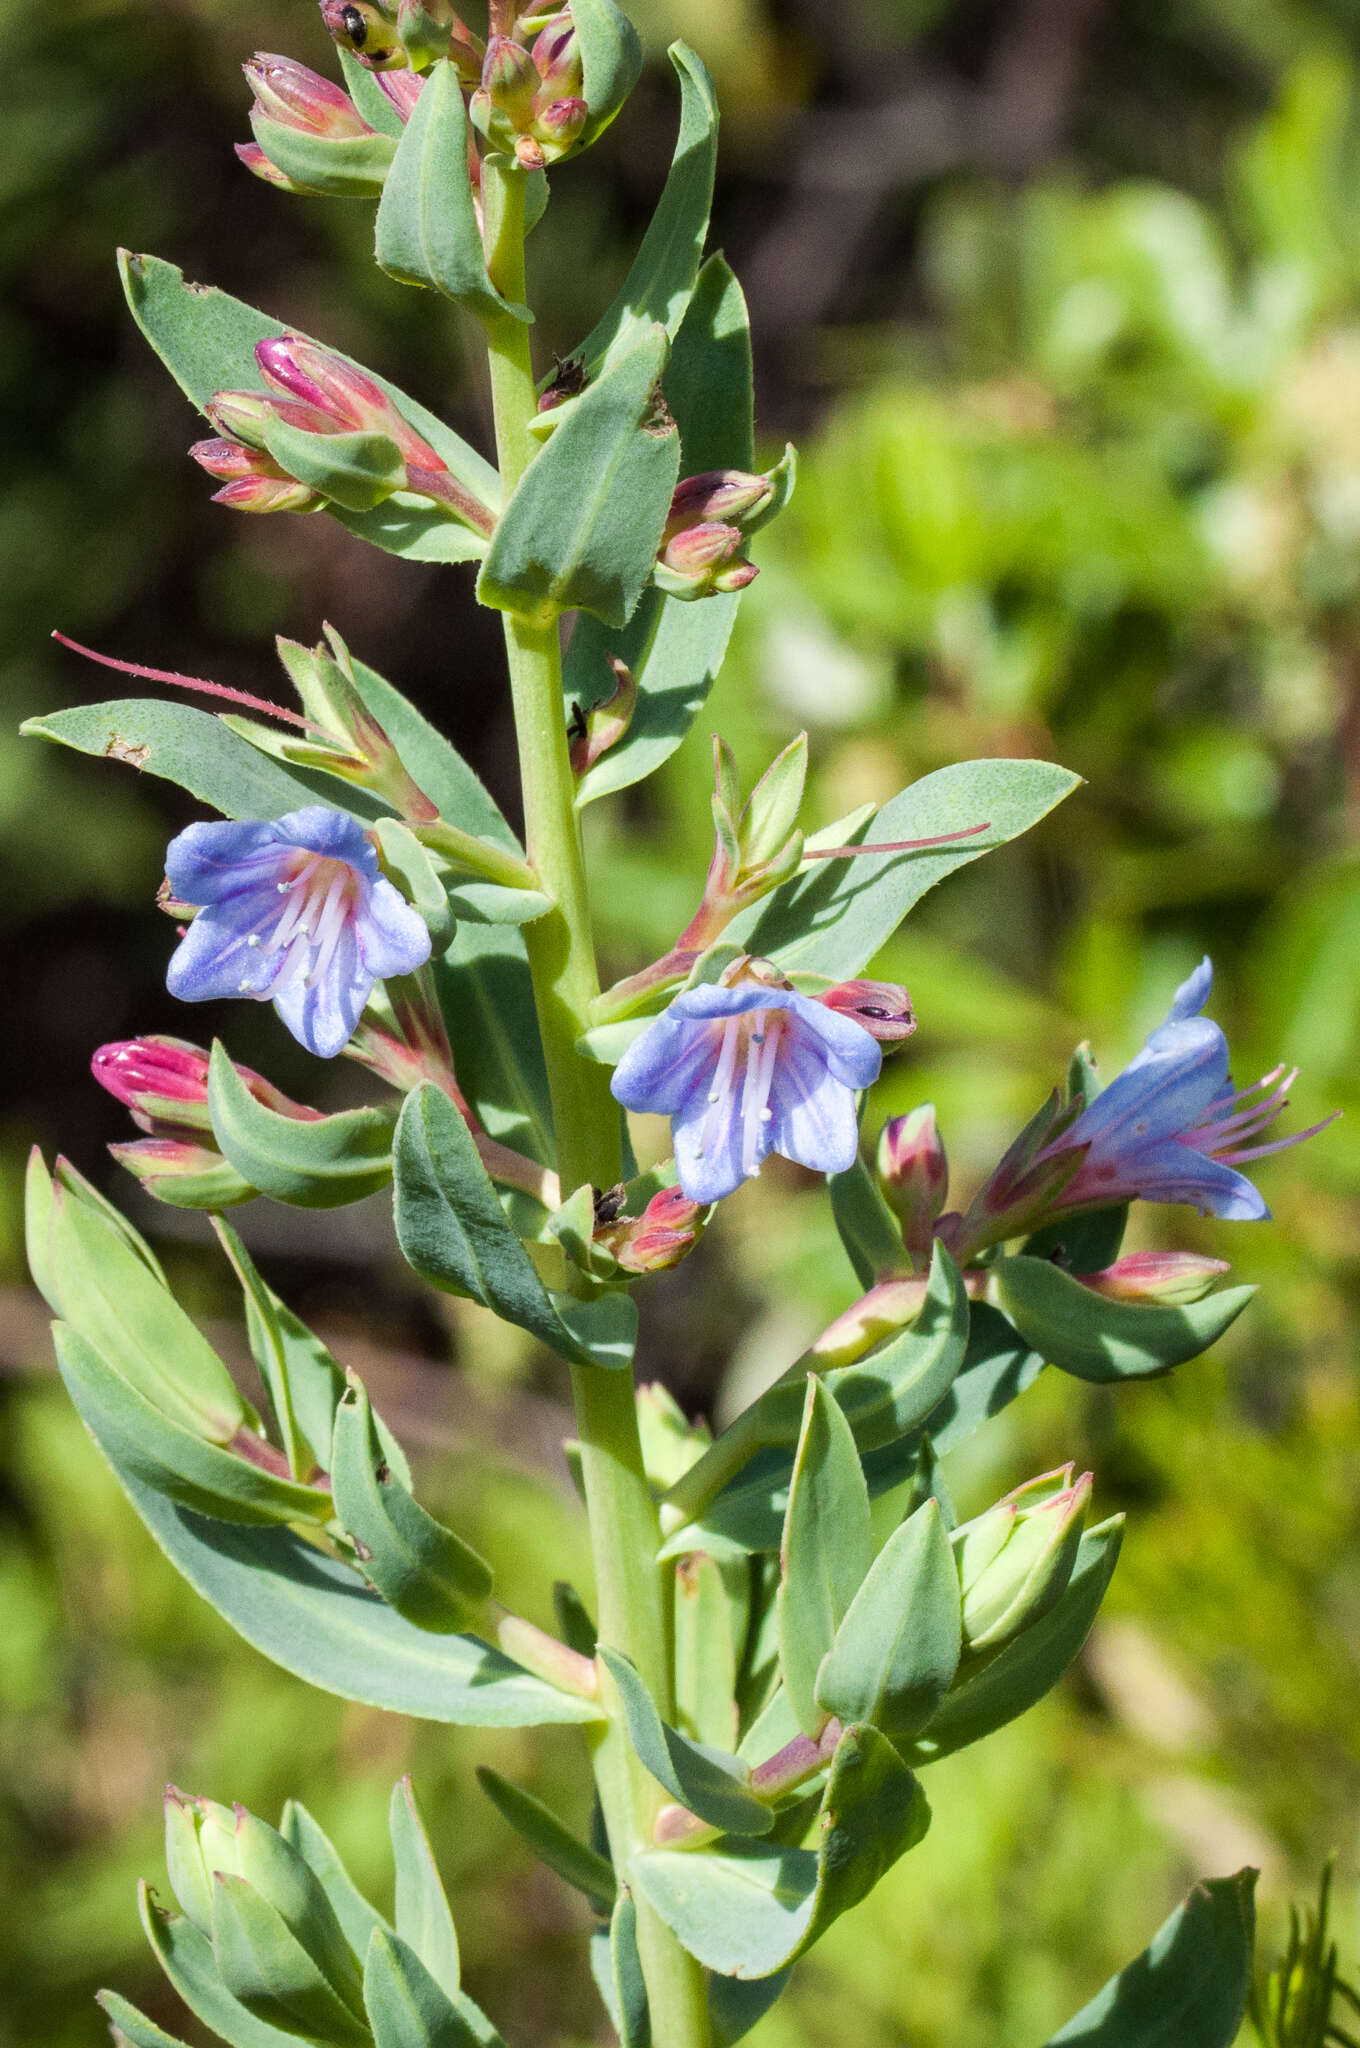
point(674, 650)
point(97, 1279)
point(370, 101)
point(866, 1225)
point(421, 1912)
point(357, 1917)
point(453, 1230)
point(207, 341)
point(319, 1163)
point(187, 1959)
point(132, 2025)
point(214, 1186)
point(427, 232)
point(551, 1840)
point(611, 59)
point(340, 166)
point(833, 920)
point(355, 471)
point(313, 1615)
point(585, 521)
point(429, 1575)
point(1093, 1338)
point(406, 2006)
point(1188, 1987)
point(825, 1552)
point(896, 1651)
point(139, 1439)
point(661, 277)
point(411, 867)
point(1033, 1662)
point(712, 1784)
point(748, 1911)
point(264, 1966)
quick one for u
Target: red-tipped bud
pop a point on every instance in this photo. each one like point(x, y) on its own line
point(161, 1080)
point(1173, 1278)
point(287, 92)
point(659, 1238)
point(703, 559)
point(510, 81)
point(605, 724)
point(184, 1175)
point(559, 125)
point(557, 58)
point(344, 395)
point(730, 495)
point(914, 1175)
point(254, 481)
point(164, 1083)
point(255, 161)
point(403, 89)
point(882, 1007)
point(360, 26)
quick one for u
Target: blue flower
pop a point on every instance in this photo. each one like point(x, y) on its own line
point(1171, 1127)
point(746, 1071)
point(294, 912)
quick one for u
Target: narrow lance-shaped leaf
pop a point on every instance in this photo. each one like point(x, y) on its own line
point(1095, 1338)
point(427, 1573)
point(585, 521)
point(713, 1786)
point(422, 1913)
point(134, 2026)
point(187, 1959)
point(550, 1839)
point(356, 1915)
point(406, 2007)
point(317, 1164)
point(264, 1965)
point(1188, 1989)
point(826, 1549)
point(427, 231)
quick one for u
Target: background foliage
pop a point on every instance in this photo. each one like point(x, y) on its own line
point(1062, 301)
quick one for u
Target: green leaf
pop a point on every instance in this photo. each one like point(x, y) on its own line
point(705, 1655)
point(281, 1343)
point(453, 1230)
point(207, 341)
point(660, 280)
point(270, 1351)
point(1094, 1338)
point(487, 997)
point(1188, 1989)
point(312, 1615)
point(826, 1549)
point(1084, 1244)
point(897, 1650)
point(343, 166)
point(356, 1916)
point(139, 2030)
point(319, 1163)
point(440, 770)
point(868, 1229)
point(428, 1574)
point(198, 751)
point(617, 1969)
point(422, 1913)
point(101, 1285)
point(406, 2007)
point(140, 1439)
point(551, 1840)
point(674, 650)
point(276, 1872)
point(427, 231)
point(264, 1966)
point(896, 1389)
point(356, 471)
point(707, 1781)
point(611, 58)
point(1029, 1666)
point(187, 1959)
point(585, 521)
point(749, 1911)
point(833, 920)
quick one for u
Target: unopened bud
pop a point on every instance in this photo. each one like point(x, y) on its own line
point(730, 495)
point(164, 1083)
point(558, 126)
point(510, 81)
point(403, 89)
point(665, 1232)
point(363, 28)
point(704, 559)
point(295, 97)
point(883, 1008)
point(914, 1174)
point(254, 482)
point(1016, 1559)
point(184, 1175)
point(344, 395)
point(557, 58)
point(425, 28)
point(261, 166)
point(1172, 1278)
point(605, 724)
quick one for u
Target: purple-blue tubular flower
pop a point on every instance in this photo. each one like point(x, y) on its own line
point(746, 1071)
point(1171, 1127)
point(294, 912)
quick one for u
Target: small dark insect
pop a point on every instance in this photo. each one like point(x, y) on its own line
point(382, 1473)
point(356, 28)
point(576, 724)
point(609, 1204)
point(569, 375)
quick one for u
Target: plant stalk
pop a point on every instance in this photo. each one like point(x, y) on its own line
point(630, 1585)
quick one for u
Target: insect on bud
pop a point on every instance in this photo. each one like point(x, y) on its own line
point(363, 28)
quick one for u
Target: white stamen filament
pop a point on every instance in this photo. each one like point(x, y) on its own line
point(329, 926)
point(755, 1095)
point(722, 1081)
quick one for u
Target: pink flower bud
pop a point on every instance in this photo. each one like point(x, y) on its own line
point(557, 58)
point(510, 80)
point(882, 1007)
point(665, 1233)
point(1170, 1277)
point(730, 495)
point(403, 89)
point(914, 1175)
point(287, 92)
point(184, 1175)
point(164, 1082)
point(341, 393)
point(255, 483)
point(255, 161)
point(558, 125)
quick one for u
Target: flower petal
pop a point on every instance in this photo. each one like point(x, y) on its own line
point(1178, 1173)
point(324, 1018)
point(210, 860)
point(337, 834)
point(668, 1066)
point(392, 937)
point(1193, 993)
point(1164, 1090)
point(813, 1119)
point(707, 1174)
point(853, 1054)
point(215, 959)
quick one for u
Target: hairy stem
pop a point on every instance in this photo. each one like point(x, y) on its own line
point(630, 1585)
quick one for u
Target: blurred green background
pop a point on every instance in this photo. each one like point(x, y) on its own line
point(1061, 299)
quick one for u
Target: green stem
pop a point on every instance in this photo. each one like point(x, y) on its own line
point(631, 1588)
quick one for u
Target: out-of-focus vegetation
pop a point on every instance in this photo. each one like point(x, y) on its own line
point(1062, 301)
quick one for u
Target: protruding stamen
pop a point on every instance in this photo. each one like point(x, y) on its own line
point(722, 1082)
